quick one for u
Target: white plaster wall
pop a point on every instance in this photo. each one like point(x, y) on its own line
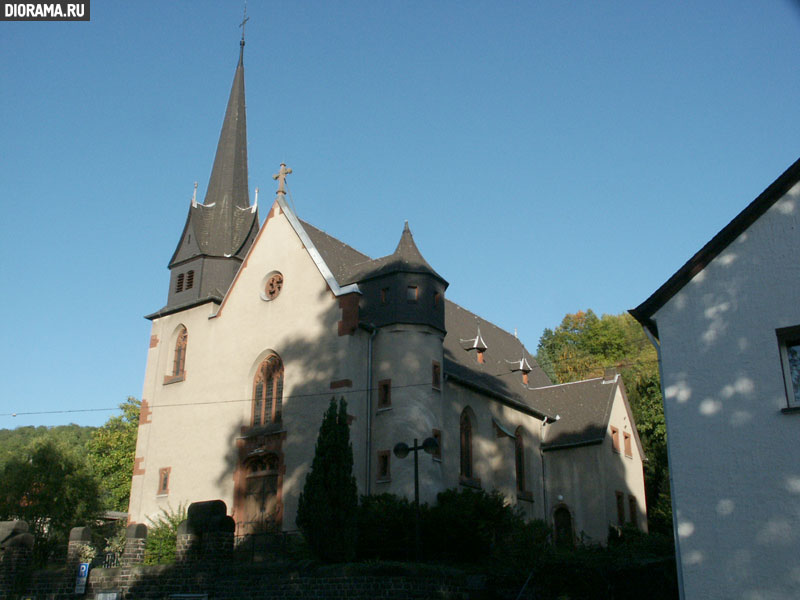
point(404, 354)
point(493, 457)
point(195, 423)
point(586, 478)
point(736, 479)
point(576, 477)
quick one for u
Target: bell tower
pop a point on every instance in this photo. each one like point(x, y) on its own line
point(218, 232)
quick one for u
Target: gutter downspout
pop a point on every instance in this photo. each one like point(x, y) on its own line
point(373, 331)
point(544, 477)
point(678, 562)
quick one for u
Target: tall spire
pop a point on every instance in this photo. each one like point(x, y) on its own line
point(228, 182)
point(223, 227)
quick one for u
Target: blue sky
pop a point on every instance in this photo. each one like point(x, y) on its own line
point(549, 156)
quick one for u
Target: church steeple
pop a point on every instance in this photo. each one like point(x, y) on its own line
point(219, 231)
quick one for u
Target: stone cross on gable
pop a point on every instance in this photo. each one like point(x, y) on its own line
point(281, 178)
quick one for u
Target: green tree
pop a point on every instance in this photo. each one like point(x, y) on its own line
point(580, 348)
point(53, 490)
point(111, 454)
point(15, 442)
point(327, 508)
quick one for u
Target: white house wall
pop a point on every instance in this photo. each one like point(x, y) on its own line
point(736, 480)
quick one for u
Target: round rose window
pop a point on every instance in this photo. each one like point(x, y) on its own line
point(274, 286)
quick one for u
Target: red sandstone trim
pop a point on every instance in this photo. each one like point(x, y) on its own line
point(145, 413)
point(153, 341)
point(137, 466)
point(349, 305)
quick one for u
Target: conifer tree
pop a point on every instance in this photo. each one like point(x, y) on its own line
point(326, 512)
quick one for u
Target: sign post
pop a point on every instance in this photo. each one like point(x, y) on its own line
point(83, 577)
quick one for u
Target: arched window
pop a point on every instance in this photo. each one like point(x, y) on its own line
point(268, 392)
point(466, 445)
point(179, 361)
point(519, 459)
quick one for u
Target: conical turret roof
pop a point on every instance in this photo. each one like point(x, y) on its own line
point(406, 258)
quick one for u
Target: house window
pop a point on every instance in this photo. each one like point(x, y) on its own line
point(466, 445)
point(789, 344)
point(615, 439)
point(627, 440)
point(385, 393)
point(163, 481)
point(385, 295)
point(437, 435)
point(519, 459)
point(179, 361)
point(436, 375)
point(412, 293)
point(179, 283)
point(633, 510)
point(189, 280)
point(384, 472)
point(268, 392)
point(620, 508)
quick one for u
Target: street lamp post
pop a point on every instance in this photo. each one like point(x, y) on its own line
point(401, 450)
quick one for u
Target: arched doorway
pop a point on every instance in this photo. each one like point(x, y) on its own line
point(260, 506)
point(562, 521)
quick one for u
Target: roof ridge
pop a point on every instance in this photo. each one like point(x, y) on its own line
point(546, 387)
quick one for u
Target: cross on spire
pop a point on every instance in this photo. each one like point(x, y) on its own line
point(244, 20)
point(280, 176)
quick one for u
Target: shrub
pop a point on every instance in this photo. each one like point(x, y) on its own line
point(162, 535)
point(466, 525)
point(385, 528)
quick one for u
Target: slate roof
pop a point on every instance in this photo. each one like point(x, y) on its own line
point(645, 311)
point(222, 223)
point(583, 407)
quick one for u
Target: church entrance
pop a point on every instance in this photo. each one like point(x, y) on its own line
point(258, 481)
point(563, 526)
point(261, 495)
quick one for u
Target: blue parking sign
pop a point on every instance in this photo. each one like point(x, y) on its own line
point(83, 576)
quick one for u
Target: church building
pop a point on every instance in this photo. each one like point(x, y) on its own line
point(264, 323)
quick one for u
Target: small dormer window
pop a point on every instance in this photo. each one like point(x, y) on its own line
point(525, 378)
point(179, 283)
point(476, 344)
point(437, 298)
point(412, 294)
point(385, 295)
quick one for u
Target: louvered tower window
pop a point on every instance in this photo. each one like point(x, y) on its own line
point(189, 280)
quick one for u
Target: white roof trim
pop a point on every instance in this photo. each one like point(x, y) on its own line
point(314, 253)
